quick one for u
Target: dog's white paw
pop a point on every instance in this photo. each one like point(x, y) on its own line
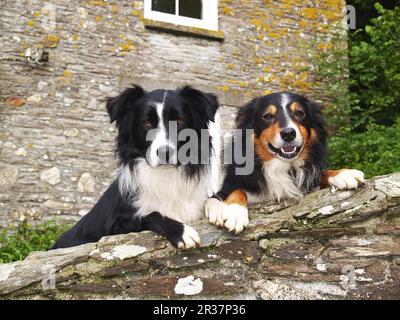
point(236, 217)
point(347, 179)
point(190, 238)
point(214, 210)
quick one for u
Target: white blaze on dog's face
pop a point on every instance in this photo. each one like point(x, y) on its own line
point(162, 150)
point(289, 140)
point(282, 127)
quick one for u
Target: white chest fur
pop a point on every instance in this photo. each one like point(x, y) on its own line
point(166, 190)
point(280, 182)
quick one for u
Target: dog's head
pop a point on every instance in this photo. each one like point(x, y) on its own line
point(149, 123)
point(286, 126)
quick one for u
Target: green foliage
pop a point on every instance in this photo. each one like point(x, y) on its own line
point(375, 71)
point(366, 11)
point(16, 242)
point(331, 67)
point(375, 151)
point(364, 106)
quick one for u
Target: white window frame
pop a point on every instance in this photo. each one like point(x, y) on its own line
point(209, 15)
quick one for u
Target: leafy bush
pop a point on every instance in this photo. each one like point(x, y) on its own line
point(375, 71)
point(331, 69)
point(365, 9)
point(16, 242)
point(364, 110)
point(375, 151)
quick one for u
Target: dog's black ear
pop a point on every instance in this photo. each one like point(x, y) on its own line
point(315, 106)
point(204, 103)
point(315, 110)
point(317, 117)
point(245, 115)
point(117, 107)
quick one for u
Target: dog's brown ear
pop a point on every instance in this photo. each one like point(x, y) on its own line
point(119, 106)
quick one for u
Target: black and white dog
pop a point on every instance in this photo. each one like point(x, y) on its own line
point(155, 189)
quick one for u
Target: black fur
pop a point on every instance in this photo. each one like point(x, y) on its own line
point(113, 213)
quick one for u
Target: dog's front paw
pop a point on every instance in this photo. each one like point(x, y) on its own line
point(214, 210)
point(236, 217)
point(347, 179)
point(189, 239)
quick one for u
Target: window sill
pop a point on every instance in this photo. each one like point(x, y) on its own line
point(183, 30)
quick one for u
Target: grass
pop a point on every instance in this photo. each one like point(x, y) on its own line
point(16, 242)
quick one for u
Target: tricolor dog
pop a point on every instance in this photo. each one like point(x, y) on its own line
point(290, 158)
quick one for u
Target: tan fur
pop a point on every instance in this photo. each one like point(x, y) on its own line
point(296, 106)
point(261, 143)
point(271, 109)
point(309, 141)
point(326, 174)
point(237, 197)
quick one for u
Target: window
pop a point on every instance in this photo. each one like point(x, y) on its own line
point(190, 13)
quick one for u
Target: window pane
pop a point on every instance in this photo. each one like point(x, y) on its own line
point(190, 8)
point(167, 6)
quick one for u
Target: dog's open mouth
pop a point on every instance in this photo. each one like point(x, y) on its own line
point(287, 152)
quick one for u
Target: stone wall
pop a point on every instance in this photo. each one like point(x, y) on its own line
point(55, 139)
point(342, 245)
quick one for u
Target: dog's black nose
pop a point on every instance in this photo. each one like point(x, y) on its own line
point(288, 134)
point(165, 154)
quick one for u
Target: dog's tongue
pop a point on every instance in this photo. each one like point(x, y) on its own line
point(289, 149)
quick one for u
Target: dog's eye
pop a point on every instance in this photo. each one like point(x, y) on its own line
point(300, 113)
point(268, 116)
point(180, 121)
point(147, 124)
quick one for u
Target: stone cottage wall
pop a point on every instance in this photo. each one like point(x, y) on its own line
point(56, 143)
